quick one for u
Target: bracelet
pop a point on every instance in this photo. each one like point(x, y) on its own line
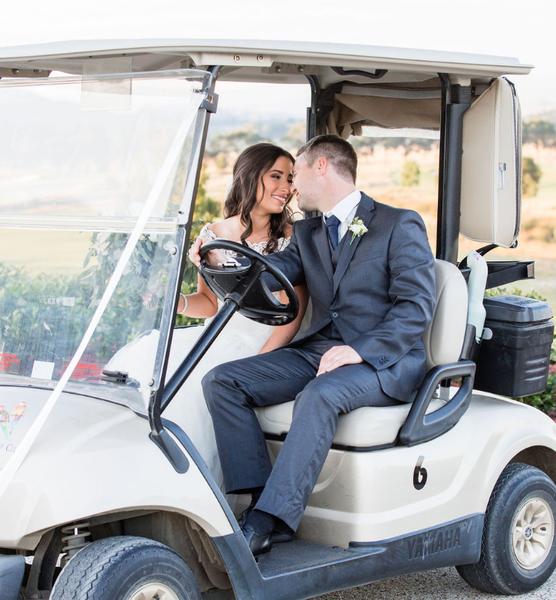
point(180, 312)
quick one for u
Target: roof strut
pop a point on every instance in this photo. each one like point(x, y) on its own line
point(456, 99)
point(312, 110)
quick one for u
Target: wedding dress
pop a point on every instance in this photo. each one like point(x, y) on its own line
point(240, 338)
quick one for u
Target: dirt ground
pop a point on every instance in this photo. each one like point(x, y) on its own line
point(439, 584)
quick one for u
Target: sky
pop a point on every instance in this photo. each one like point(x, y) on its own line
point(515, 28)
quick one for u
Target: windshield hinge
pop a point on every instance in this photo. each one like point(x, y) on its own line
point(210, 102)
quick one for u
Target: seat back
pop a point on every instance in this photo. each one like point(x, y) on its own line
point(444, 336)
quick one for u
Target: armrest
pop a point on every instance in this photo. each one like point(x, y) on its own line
point(420, 427)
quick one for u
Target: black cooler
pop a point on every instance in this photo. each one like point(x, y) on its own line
point(515, 361)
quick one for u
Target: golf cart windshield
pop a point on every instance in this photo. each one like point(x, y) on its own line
point(88, 164)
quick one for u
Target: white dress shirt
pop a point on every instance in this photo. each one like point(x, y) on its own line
point(345, 211)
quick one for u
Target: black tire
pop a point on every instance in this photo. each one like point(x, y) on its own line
point(504, 568)
point(117, 568)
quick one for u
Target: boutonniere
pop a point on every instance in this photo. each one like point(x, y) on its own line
point(357, 228)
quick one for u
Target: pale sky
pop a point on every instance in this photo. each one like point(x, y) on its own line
point(525, 30)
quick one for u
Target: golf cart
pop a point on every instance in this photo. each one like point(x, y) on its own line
point(103, 494)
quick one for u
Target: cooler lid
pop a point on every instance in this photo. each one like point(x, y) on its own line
point(516, 309)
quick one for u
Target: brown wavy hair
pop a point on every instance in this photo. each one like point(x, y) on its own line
point(249, 169)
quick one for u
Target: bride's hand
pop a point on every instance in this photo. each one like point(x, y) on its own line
point(194, 255)
point(214, 257)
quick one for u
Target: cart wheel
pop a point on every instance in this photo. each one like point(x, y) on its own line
point(518, 551)
point(126, 568)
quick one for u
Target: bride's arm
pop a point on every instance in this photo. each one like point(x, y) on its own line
point(285, 333)
point(200, 305)
point(203, 303)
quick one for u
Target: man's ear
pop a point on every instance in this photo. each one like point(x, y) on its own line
point(322, 165)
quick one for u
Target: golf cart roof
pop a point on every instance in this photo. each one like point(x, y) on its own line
point(256, 60)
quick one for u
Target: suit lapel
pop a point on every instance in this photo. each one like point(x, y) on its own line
point(365, 212)
point(321, 242)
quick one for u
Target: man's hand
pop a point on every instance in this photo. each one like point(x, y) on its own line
point(337, 357)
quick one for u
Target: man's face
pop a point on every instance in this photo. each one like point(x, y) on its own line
point(305, 184)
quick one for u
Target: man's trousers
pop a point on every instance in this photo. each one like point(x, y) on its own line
point(232, 391)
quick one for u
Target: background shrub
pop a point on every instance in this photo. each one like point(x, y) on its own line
point(410, 174)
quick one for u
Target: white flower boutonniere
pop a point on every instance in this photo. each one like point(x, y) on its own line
point(357, 228)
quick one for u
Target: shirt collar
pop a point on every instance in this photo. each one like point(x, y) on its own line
point(345, 207)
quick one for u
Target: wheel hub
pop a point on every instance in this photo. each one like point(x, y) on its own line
point(533, 533)
point(154, 591)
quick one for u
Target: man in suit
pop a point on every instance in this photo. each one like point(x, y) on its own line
point(373, 297)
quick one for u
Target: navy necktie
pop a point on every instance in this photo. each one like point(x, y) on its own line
point(332, 223)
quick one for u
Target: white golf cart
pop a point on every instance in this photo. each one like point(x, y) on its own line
point(101, 496)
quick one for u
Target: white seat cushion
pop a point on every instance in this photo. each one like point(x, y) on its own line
point(364, 427)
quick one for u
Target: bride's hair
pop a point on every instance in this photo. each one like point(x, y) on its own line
point(249, 169)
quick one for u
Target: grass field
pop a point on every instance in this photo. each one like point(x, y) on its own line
point(42, 251)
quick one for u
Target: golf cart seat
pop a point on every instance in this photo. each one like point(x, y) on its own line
point(376, 427)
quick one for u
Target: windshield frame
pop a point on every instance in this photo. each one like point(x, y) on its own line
point(207, 107)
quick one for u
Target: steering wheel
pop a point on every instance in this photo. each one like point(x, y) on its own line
point(246, 285)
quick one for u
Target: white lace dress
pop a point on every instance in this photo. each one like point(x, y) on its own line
point(240, 338)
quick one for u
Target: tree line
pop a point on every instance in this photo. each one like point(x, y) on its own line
point(539, 132)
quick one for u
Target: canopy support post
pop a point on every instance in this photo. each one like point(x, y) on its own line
point(456, 100)
point(312, 111)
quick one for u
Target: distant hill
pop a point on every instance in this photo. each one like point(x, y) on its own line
point(269, 127)
point(226, 126)
point(549, 115)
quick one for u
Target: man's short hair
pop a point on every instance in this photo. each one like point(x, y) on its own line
point(336, 150)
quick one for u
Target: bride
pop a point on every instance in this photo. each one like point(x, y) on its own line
point(257, 215)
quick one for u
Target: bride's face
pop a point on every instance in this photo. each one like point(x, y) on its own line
point(276, 191)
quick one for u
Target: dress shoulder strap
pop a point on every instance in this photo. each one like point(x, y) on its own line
point(207, 233)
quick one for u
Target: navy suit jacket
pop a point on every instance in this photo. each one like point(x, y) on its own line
point(381, 296)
